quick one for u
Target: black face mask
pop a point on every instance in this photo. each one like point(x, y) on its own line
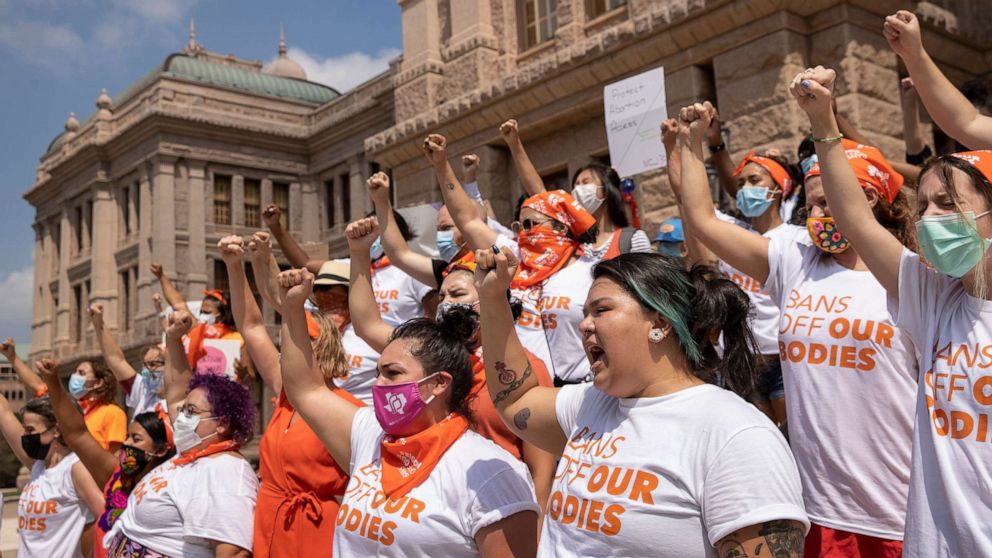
point(133, 459)
point(33, 447)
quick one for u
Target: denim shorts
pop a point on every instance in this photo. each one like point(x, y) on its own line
point(769, 383)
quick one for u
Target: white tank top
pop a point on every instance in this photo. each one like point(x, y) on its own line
point(50, 515)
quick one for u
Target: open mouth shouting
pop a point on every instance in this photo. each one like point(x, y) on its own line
point(597, 357)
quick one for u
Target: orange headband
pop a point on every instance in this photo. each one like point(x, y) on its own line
point(466, 263)
point(216, 293)
point(981, 160)
point(778, 173)
point(164, 417)
point(562, 207)
point(871, 169)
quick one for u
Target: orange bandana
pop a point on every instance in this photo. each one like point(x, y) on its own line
point(87, 406)
point(543, 251)
point(196, 337)
point(381, 263)
point(466, 262)
point(407, 462)
point(871, 169)
point(562, 207)
point(229, 445)
point(216, 293)
point(164, 417)
point(981, 160)
point(778, 173)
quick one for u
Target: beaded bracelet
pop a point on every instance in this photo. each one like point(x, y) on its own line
point(831, 139)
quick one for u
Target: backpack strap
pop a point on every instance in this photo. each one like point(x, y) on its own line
point(626, 236)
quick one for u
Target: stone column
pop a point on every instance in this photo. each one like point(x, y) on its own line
point(294, 221)
point(196, 278)
point(238, 200)
point(312, 203)
point(41, 318)
point(494, 180)
point(266, 193)
point(103, 270)
point(361, 203)
point(754, 104)
point(147, 283)
point(472, 50)
point(419, 80)
point(867, 86)
point(62, 312)
point(163, 234)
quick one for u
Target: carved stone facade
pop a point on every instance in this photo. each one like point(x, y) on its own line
point(179, 162)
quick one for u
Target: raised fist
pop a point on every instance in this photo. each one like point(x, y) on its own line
point(510, 131)
point(156, 269)
point(48, 369)
point(179, 323)
point(378, 184)
point(695, 119)
point(260, 244)
point(157, 301)
point(669, 133)
point(8, 349)
point(271, 216)
point(96, 315)
point(494, 271)
point(813, 89)
point(470, 167)
point(902, 31)
point(232, 249)
point(361, 234)
point(295, 286)
point(435, 148)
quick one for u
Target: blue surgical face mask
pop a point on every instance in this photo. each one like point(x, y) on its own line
point(951, 242)
point(446, 246)
point(77, 385)
point(376, 251)
point(754, 200)
point(151, 379)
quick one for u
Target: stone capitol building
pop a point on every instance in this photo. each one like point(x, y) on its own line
point(197, 147)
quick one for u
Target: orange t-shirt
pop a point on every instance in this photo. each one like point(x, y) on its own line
point(107, 423)
point(488, 423)
point(296, 509)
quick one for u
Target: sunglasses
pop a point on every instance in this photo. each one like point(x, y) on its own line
point(528, 224)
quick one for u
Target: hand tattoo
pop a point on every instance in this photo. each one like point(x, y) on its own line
point(513, 385)
point(520, 419)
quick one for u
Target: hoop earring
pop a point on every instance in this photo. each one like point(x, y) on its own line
point(656, 335)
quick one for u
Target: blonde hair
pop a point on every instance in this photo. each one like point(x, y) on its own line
point(328, 352)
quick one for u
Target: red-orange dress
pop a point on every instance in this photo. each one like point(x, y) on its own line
point(296, 509)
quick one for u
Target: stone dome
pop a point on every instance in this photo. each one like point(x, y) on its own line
point(284, 66)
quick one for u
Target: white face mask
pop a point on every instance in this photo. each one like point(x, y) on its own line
point(207, 319)
point(184, 431)
point(586, 194)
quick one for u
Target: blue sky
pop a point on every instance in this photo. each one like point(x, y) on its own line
point(56, 55)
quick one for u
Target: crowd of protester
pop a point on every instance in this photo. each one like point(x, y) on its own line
point(801, 374)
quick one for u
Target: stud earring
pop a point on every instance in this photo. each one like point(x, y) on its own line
point(656, 335)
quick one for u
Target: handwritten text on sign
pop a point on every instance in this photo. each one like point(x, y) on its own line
point(634, 110)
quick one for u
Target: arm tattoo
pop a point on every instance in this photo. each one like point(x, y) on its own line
point(514, 381)
point(520, 419)
point(784, 538)
point(450, 186)
point(775, 539)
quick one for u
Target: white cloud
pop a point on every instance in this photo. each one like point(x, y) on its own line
point(52, 46)
point(156, 11)
point(345, 71)
point(15, 320)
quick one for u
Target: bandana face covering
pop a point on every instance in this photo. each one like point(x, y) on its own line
point(825, 236)
point(543, 251)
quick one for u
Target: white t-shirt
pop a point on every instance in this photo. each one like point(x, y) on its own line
point(398, 295)
point(50, 514)
point(362, 362)
point(558, 302)
point(764, 320)
point(141, 399)
point(530, 331)
point(176, 510)
point(664, 476)
point(850, 378)
point(475, 484)
point(950, 495)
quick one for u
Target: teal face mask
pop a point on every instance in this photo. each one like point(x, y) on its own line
point(951, 242)
point(754, 200)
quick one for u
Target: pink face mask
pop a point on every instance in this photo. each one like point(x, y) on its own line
point(397, 405)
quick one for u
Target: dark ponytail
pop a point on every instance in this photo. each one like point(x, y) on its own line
point(700, 305)
point(444, 345)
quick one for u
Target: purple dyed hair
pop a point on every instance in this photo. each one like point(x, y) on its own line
point(231, 402)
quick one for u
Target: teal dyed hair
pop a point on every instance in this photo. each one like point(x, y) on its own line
point(699, 304)
point(674, 304)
